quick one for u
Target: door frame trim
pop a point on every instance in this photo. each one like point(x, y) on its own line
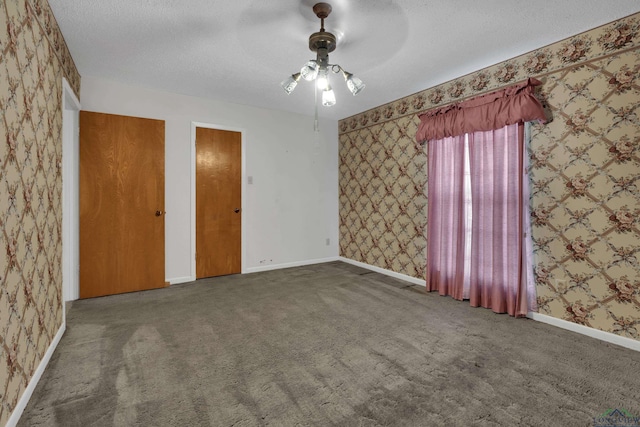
point(70, 193)
point(243, 190)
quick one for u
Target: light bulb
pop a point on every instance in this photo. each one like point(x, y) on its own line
point(322, 81)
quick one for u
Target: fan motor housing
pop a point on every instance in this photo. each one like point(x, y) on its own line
point(322, 40)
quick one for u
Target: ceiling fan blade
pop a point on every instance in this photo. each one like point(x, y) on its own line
point(273, 22)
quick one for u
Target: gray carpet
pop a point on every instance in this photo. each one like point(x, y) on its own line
point(328, 344)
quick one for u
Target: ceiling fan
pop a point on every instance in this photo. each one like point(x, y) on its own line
point(322, 43)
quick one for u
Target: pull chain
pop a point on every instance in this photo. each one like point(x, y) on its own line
point(316, 126)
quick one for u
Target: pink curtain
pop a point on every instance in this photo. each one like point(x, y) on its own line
point(514, 104)
point(495, 276)
point(496, 233)
point(445, 250)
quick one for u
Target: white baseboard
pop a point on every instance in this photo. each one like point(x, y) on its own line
point(585, 330)
point(564, 324)
point(385, 272)
point(290, 264)
point(185, 279)
point(26, 396)
point(176, 280)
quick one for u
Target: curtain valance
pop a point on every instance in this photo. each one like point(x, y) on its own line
point(491, 111)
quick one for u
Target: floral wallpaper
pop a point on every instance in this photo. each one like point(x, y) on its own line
point(585, 176)
point(383, 196)
point(33, 60)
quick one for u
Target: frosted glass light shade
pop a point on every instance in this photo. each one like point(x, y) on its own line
point(290, 83)
point(328, 97)
point(310, 70)
point(354, 84)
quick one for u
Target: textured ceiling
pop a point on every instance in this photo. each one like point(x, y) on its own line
point(239, 51)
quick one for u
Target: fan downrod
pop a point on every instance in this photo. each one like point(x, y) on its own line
point(322, 40)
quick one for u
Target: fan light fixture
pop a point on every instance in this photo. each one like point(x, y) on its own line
point(318, 69)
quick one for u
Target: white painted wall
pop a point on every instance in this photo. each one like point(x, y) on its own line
point(292, 206)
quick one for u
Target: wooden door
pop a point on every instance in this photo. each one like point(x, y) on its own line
point(218, 202)
point(121, 204)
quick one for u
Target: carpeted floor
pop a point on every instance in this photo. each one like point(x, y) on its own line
point(322, 345)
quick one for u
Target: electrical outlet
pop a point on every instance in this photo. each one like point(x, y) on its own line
point(249, 180)
point(328, 241)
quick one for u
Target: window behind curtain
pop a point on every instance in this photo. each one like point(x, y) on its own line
point(488, 266)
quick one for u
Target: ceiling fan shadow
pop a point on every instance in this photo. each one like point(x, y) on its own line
point(277, 34)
